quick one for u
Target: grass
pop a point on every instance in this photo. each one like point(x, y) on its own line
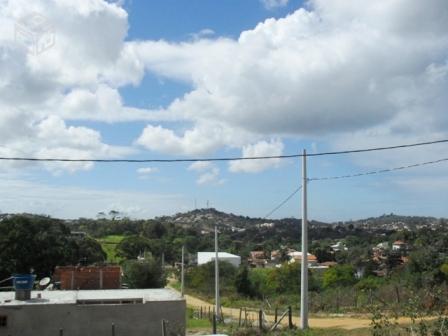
point(109, 245)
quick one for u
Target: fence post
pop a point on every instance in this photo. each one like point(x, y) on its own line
point(113, 329)
point(260, 319)
point(214, 322)
point(164, 328)
point(276, 315)
point(61, 332)
point(290, 317)
point(239, 319)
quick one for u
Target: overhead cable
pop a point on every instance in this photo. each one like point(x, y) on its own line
point(282, 203)
point(220, 158)
point(374, 172)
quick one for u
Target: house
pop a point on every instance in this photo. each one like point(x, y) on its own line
point(276, 255)
point(339, 246)
point(206, 257)
point(383, 245)
point(131, 312)
point(399, 245)
point(257, 259)
point(296, 256)
point(266, 225)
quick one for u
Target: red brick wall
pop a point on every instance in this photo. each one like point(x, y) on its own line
point(88, 277)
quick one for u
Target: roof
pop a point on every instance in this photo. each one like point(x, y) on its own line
point(73, 297)
point(399, 242)
point(220, 255)
point(298, 255)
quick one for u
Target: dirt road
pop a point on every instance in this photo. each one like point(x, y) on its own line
point(332, 322)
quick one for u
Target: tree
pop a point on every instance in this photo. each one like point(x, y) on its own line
point(201, 278)
point(87, 251)
point(339, 276)
point(147, 273)
point(132, 246)
point(40, 243)
point(154, 229)
point(242, 282)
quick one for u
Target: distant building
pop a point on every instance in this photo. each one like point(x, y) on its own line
point(383, 245)
point(89, 277)
point(130, 312)
point(339, 246)
point(266, 225)
point(296, 256)
point(399, 245)
point(206, 257)
point(257, 259)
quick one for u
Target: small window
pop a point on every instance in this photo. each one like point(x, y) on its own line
point(3, 321)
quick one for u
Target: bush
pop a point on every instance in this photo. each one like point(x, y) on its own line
point(147, 273)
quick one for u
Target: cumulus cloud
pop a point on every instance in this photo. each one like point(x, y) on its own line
point(319, 71)
point(333, 71)
point(262, 148)
point(39, 91)
point(204, 138)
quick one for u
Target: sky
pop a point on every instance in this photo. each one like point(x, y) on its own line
point(171, 79)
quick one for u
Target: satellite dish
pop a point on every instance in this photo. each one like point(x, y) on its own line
point(44, 282)
point(49, 288)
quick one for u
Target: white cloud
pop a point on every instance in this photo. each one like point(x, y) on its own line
point(200, 166)
point(333, 69)
point(209, 174)
point(210, 177)
point(147, 170)
point(203, 33)
point(337, 70)
point(204, 138)
point(262, 148)
point(271, 4)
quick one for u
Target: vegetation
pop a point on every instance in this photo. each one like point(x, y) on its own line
point(37, 243)
point(146, 273)
point(362, 279)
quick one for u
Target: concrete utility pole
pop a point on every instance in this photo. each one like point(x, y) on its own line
point(182, 273)
point(304, 270)
point(217, 301)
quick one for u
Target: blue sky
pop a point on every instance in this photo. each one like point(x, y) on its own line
point(200, 78)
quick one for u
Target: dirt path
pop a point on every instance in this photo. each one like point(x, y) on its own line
point(332, 322)
point(347, 323)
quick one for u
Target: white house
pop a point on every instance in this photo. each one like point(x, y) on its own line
point(206, 257)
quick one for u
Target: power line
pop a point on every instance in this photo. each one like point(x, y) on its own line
point(283, 203)
point(382, 171)
point(221, 158)
point(374, 149)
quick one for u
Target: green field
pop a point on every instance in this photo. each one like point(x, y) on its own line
point(109, 244)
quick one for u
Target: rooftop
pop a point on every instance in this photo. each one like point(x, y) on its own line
point(220, 255)
point(111, 296)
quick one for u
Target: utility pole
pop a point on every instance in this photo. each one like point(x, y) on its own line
point(217, 301)
point(304, 269)
point(182, 273)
